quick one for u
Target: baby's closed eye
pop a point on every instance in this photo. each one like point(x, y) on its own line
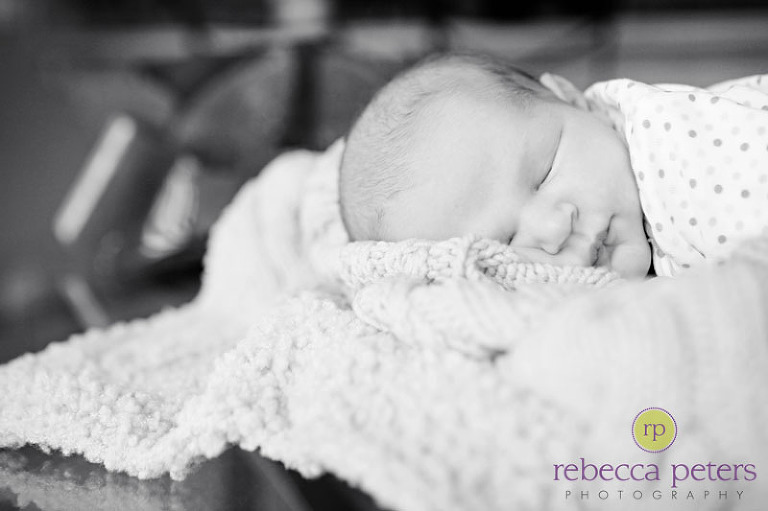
point(548, 169)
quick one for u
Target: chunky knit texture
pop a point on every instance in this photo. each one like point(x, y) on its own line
point(434, 376)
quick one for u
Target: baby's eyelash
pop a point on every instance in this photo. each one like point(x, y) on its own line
point(544, 180)
point(552, 163)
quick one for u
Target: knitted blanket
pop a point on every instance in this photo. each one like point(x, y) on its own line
point(433, 375)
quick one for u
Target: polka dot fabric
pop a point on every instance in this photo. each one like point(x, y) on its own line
point(700, 159)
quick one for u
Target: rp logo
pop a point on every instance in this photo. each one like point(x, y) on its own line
point(654, 429)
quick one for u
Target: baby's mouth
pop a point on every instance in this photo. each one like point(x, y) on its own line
point(598, 247)
point(595, 251)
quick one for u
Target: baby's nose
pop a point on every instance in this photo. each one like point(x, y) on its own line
point(556, 227)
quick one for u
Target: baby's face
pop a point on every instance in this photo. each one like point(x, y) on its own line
point(551, 180)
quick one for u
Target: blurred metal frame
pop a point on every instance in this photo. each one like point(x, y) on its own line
point(102, 197)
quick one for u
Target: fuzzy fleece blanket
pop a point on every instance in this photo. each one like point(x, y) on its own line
point(432, 375)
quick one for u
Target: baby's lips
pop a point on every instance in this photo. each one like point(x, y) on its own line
point(594, 252)
point(597, 248)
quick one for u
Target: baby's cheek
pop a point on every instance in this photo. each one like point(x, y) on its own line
point(631, 260)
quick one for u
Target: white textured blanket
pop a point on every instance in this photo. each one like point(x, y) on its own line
point(435, 376)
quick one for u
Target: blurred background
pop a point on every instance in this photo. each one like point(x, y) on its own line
point(127, 125)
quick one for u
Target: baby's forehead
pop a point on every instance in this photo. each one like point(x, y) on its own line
point(460, 139)
point(461, 118)
point(472, 142)
point(454, 121)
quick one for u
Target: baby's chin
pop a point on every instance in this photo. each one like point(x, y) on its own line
point(631, 260)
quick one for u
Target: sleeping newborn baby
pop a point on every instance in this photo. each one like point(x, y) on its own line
point(463, 145)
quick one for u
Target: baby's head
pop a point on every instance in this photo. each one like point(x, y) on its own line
point(463, 145)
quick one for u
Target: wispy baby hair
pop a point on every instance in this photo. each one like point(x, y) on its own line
point(375, 164)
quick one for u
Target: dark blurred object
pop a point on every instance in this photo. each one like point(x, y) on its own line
point(102, 219)
point(143, 205)
point(32, 311)
point(189, 12)
point(102, 216)
point(196, 13)
point(509, 11)
point(147, 196)
point(237, 119)
point(513, 11)
point(237, 480)
point(341, 85)
point(647, 6)
point(486, 9)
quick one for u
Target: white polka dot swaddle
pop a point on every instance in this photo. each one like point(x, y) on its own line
point(700, 158)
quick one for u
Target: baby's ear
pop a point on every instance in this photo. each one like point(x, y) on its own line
point(563, 89)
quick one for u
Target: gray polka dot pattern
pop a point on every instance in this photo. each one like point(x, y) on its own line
point(699, 156)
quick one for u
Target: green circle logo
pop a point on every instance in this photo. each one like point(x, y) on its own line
point(654, 429)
